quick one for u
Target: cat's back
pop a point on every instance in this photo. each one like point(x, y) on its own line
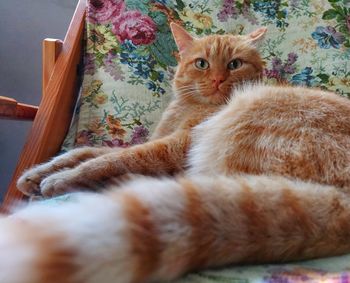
point(289, 108)
point(290, 131)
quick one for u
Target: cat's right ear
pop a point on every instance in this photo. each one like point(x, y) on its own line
point(182, 38)
point(257, 35)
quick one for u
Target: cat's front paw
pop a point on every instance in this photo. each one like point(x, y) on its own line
point(59, 183)
point(66, 181)
point(29, 182)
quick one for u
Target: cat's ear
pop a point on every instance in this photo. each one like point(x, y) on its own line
point(182, 38)
point(257, 35)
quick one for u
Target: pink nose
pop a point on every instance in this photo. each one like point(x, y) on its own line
point(218, 81)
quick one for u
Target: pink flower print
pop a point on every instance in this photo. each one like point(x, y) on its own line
point(83, 138)
point(115, 143)
point(348, 23)
point(134, 26)
point(104, 11)
point(139, 135)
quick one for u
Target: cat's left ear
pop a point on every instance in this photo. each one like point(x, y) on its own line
point(257, 35)
point(182, 38)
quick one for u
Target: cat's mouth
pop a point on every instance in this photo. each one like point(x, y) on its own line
point(216, 96)
point(216, 92)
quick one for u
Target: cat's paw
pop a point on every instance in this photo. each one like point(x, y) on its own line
point(29, 182)
point(59, 183)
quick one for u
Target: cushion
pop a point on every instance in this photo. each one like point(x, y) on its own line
point(329, 270)
point(130, 56)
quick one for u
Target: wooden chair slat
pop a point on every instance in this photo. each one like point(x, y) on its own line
point(11, 109)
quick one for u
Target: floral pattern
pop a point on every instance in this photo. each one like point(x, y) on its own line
point(104, 11)
point(136, 27)
point(330, 270)
point(328, 37)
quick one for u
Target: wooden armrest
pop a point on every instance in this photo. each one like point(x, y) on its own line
point(11, 109)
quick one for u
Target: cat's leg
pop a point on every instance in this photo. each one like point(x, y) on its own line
point(162, 156)
point(151, 230)
point(30, 180)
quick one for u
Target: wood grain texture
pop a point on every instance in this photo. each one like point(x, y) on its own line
point(55, 111)
point(51, 49)
point(11, 109)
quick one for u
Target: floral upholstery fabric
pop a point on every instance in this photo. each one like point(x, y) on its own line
point(330, 270)
point(130, 56)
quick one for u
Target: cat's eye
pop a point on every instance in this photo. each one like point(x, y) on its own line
point(201, 64)
point(234, 64)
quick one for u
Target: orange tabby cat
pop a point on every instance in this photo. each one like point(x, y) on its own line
point(267, 180)
point(200, 91)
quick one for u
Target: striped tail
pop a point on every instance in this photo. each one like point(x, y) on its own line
point(158, 229)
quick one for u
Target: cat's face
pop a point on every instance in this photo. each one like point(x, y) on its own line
point(211, 66)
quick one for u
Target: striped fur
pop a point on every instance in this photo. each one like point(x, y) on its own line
point(262, 176)
point(157, 229)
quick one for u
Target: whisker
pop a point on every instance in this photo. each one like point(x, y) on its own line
point(192, 86)
point(186, 88)
point(190, 92)
point(187, 94)
point(193, 89)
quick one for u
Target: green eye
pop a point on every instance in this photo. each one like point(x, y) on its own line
point(234, 64)
point(201, 63)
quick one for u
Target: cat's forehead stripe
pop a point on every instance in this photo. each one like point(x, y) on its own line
point(223, 46)
point(215, 47)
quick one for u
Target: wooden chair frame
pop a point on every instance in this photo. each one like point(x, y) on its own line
point(60, 86)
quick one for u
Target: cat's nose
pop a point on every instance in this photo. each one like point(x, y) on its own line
point(218, 81)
